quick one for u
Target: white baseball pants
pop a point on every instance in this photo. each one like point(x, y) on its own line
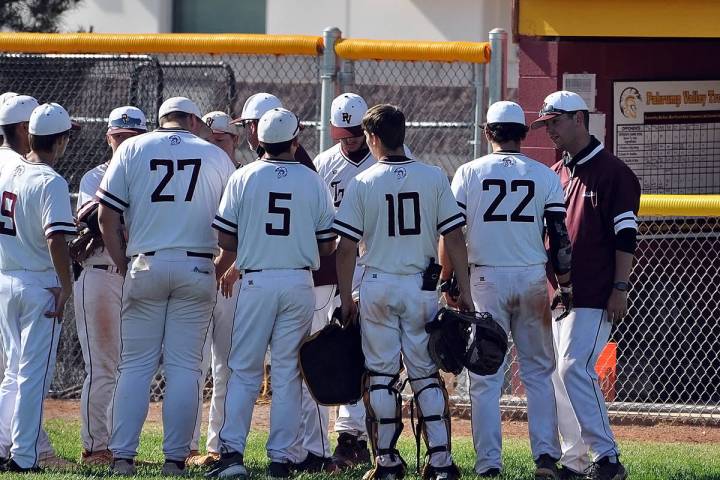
point(517, 299)
point(215, 356)
point(97, 300)
point(30, 340)
point(167, 303)
point(275, 308)
point(393, 314)
point(579, 339)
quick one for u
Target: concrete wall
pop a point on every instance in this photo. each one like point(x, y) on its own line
point(126, 16)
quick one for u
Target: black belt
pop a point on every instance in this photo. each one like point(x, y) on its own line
point(255, 271)
point(189, 254)
point(107, 268)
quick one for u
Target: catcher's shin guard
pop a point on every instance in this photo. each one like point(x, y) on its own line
point(383, 402)
point(433, 419)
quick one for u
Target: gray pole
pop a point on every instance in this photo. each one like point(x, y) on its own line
point(479, 84)
point(328, 76)
point(497, 82)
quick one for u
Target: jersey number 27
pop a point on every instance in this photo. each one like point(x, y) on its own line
point(169, 165)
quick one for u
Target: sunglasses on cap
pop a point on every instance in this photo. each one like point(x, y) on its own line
point(126, 121)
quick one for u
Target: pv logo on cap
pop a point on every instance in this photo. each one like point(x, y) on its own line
point(209, 121)
point(346, 117)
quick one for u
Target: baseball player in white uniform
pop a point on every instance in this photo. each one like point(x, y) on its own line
point(35, 282)
point(97, 299)
point(399, 208)
point(226, 136)
point(508, 199)
point(14, 124)
point(284, 207)
point(167, 184)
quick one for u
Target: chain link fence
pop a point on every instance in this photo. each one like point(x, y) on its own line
point(663, 360)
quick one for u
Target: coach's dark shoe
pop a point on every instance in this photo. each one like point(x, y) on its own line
point(451, 472)
point(174, 468)
point(490, 473)
point(314, 464)
point(608, 469)
point(123, 466)
point(566, 473)
point(396, 472)
point(280, 469)
point(11, 467)
point(230, 464)
point(350, 452)
point(546, 468)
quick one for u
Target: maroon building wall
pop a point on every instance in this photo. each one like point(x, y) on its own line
point(543, 62)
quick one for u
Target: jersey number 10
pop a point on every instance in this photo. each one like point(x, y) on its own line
point(404, 199)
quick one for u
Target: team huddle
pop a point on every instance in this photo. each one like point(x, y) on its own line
point(187, 259)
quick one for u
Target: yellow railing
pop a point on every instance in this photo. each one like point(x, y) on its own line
point(680, 206)
point(248, 44)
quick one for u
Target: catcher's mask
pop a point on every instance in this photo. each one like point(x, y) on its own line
point(452, 348)
point(332, 363)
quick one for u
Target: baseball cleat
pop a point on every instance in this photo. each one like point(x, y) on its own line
point(490, 473)
point(51, 461)
point(450, 472)
point(314, 464)
point(202, 460)
point(174, 468)
point(546, 468)
point(230, 464)
point(350, 452)
point(396, 472)
point(566, 473)
point(280, 469)
point(11, 467)
point(123, 466)
point(101, 457)
point(605, 469)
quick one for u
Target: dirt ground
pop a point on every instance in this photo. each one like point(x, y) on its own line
point(662, 432)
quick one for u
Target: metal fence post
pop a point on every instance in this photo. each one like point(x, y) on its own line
point(346, 77)
point(497, 81)
point(479, 83)
point(328, 76)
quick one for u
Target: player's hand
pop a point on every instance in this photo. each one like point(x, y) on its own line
point(617, 305)
point(450, 300)
point(227, 281)
point(563, 296)
point(61, 296)
point(465, 303)
point(348, 313)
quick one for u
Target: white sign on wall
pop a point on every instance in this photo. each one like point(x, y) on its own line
point(669, 134)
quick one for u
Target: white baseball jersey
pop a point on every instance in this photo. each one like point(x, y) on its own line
point(168, 184)
point(399, 208)
point(337, 170)
point(89, 184)
point(34, 204)
point(279, 211)
point(504, 196)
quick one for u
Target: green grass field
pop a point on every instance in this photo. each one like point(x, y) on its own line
point(644, 461)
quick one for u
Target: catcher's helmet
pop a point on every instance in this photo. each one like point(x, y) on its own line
point(332, 363)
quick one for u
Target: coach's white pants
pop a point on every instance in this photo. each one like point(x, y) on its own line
point(97, 299)
point(579, 339)
point(315, 418)
point(166, 309)
point(517, 299)
point(30, 340)
point(276, 309)
point(393, 314)
point(215, 356)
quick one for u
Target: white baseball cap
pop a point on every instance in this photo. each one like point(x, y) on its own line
point(346, 113)
point(256, 106)
point(278, 125)
point(220, 122)
point(505, 112)
point(185, 105)
point(6, 95)
point(49, 119)
point(16, 108)
point(558, 103)
point(126, 119)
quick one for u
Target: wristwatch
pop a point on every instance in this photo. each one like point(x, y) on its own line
point(621, 286)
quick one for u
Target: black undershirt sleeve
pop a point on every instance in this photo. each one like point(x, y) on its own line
point(560, 248)
point(626, 240)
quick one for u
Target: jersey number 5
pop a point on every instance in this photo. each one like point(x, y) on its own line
point(402, 200)
point(7, 209)
point(273, 208)
point(515, 185)
point(157, 195)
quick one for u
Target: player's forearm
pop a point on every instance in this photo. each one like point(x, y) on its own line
point(623, 265)
point(113, 236)
point(456, 251)
point(444, 260)
point(345, 267)
point(60, 256)
point(224, 261)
